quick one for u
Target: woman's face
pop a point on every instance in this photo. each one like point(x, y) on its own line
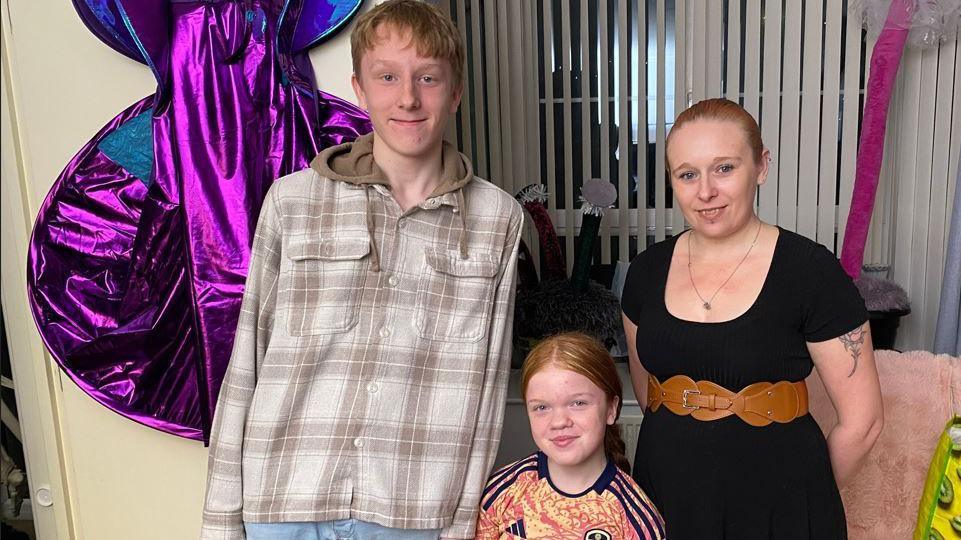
point(715, 176)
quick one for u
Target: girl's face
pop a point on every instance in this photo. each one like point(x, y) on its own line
point(569, 416)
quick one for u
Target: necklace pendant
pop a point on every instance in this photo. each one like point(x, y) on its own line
point(707, 305)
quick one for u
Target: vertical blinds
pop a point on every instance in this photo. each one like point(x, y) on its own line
point(561, 91)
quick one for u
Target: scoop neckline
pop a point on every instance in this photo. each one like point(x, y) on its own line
point(751, 308)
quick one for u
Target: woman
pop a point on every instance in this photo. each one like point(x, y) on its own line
point(717, 314)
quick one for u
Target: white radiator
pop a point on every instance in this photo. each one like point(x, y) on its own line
point(630, 427)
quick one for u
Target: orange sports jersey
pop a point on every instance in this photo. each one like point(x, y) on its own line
point(520, 501)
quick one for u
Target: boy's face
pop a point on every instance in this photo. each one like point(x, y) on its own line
point(409, 97)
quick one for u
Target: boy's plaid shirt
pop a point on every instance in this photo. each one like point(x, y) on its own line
point(359, 394)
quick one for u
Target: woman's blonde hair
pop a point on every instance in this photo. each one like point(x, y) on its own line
point(432, 32)
point(582, 354)
point(722, 110)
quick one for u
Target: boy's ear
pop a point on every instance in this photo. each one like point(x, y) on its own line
point(358, 91)
point(456, 96)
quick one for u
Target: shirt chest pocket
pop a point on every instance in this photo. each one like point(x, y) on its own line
point(325, 282)
point(455, 296)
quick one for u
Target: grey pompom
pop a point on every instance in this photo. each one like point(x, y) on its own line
point(599, 192)
point(882, 294)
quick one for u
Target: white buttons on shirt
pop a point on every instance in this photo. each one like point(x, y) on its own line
point(358, 442)
point(384, 332)
point(372, 388)
point(393, 280)
point(401, 224)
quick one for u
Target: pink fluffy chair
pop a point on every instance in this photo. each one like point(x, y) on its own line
point(921, 391)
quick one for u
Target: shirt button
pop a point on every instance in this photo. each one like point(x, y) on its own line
point(358, 442)
point(372, 388)
point(393, 280)
point(402, 224)
point(455, 210)
point(328, 249)
point(385, 332)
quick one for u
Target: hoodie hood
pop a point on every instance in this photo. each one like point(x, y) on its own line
point(353, 163)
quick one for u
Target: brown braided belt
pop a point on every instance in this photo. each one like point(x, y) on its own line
point(758, 404)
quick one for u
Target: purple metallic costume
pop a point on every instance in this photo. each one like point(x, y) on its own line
point(139, 255)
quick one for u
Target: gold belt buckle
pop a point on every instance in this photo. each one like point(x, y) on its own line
point(684, 402)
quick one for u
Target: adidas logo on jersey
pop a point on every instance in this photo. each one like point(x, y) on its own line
point(517, 529)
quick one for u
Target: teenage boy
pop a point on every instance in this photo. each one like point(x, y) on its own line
point(366, 387)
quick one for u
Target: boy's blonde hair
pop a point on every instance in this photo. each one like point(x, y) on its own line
point(432, 32)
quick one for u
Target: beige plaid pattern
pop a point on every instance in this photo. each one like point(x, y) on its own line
point(358, 394)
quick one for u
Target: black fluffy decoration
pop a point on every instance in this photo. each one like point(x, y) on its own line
point(553, 307)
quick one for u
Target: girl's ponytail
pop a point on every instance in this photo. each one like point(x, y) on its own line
point(615, 447)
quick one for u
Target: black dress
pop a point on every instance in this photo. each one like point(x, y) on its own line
point(725, 479)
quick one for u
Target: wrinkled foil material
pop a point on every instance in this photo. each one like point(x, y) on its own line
point(138, 258)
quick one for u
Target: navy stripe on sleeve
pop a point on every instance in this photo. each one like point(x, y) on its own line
point(507, 471)
point(506, 484)
point(630, 503)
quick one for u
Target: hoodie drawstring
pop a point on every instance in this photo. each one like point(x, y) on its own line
point(462, 211)
point(374, 256)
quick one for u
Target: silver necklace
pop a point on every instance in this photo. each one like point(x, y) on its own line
point(706, 304)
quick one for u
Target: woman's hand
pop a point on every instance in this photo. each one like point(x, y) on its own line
point(846, 366)
point(638, 373)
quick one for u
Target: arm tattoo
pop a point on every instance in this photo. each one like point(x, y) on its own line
point(853, 341)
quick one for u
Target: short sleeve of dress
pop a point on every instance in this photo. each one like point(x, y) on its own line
point(833, 305)
point(636, 282)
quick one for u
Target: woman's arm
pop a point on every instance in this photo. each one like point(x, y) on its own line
point(847, 369)
point(638, 373)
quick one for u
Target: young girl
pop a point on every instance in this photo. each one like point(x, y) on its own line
point(578, 486)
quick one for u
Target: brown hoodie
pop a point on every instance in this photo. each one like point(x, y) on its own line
point(353, 163)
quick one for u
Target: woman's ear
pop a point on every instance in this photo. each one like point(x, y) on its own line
point(764, 166)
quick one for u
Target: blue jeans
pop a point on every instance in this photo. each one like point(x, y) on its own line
point(342, 529)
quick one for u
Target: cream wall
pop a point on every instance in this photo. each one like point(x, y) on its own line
point(109, 477)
